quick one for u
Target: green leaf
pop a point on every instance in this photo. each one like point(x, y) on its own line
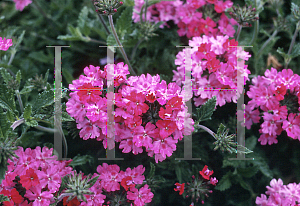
point(247, 172)
point(282, 53)
point(92, 181)
point(69, 38)
point(20, 39)
point(7, 100)
point(43, 99)
point(82, 21)
point(6, 76)
point(295, 51)
point(65, 117)
point(178, 173)
point(225, 182)
point(124, 22)
point(19, 77)
point(27, 89)
point(205, 112)
point(241, 149)
point(152, 170)
point(2, 197)
point(81, 160)
point(27, 112)
point(32, 123)
point(40, 56)
point(111, 40)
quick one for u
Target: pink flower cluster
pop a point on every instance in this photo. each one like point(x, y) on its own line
point(36, 174)
point(162, 11)
point(21, 4)
point(148, 113)
point(279, 194)
point(190, 17)
point(217, 69)
point(110, 180)
point(5, 43)
point(277, 94)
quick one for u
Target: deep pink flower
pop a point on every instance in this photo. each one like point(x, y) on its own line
point(141, 196)
point(30, 179)
point(5, 43)
point(292, 126)
point(179, 187)
point(206, 173)
point(167, 127)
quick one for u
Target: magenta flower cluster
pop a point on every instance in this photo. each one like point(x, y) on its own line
point(110, 180)
point(277, 94)
point(36, 173)
point(5, 43)
point(186, 15)
point(279, 194)
point(217, 69)
point(148, 113)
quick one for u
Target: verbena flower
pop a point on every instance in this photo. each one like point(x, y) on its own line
point(279, 194)
point(148, 113)
point(276, 94)
point(214, 69)
point(5, 43)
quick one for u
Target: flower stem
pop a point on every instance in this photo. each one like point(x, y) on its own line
point(45, 129)
point(256, 27)
point(20, 100)
point(292, 44)
point(238, 32)
point(120, 45)
point(51, 22)
point(208, 130)
point(135, 48)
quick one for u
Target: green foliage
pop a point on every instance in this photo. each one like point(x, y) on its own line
point(205, 112)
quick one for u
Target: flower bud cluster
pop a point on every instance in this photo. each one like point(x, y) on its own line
point(199, 187)
point(243, 15)
point(107, 7)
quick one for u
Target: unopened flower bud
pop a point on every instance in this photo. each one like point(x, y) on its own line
point(202, 202)
point(186, 196)
point(188, 183)
point(193, 177)
point(254, 9)
point(121, 3)
point(115, 10)
point(210, 191)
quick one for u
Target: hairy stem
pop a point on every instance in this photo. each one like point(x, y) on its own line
point(20, 100)
point(292, 45)
point(237, 35)
point(135, 48)
point(120, 45)
point(208, 130)
point(45, 129)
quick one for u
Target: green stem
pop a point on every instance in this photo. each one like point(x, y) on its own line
point(135, 48)
point(238, 32)
point(120, 45)
point(20, 100)
point(146, 6)
point(97, 41)
point(255, 33)
point(45, 129)
point(292, 44)
point(208, 130)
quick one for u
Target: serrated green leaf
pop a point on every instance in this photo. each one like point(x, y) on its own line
point(43, 99)
point(111, 40)
point(40, 56)
point(295, 51)
point(27, 112)
point(20, 39)
point(281, 52)
point(152, 170)
point(7, 100)
point(82, 21)
point(6, 75)
point(19, 77)
point(10, 116)
point(241, 149)
point(225, 182)
point(65, 117)
point(251, 142)
point(124, 22)
point(205, 112)
point(81, 160)
point(32, 123)
point(92, 182)
point(247, 172)
point(26, 89)
point(69, 38)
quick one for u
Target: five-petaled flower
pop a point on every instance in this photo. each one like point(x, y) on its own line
point(206, 173)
